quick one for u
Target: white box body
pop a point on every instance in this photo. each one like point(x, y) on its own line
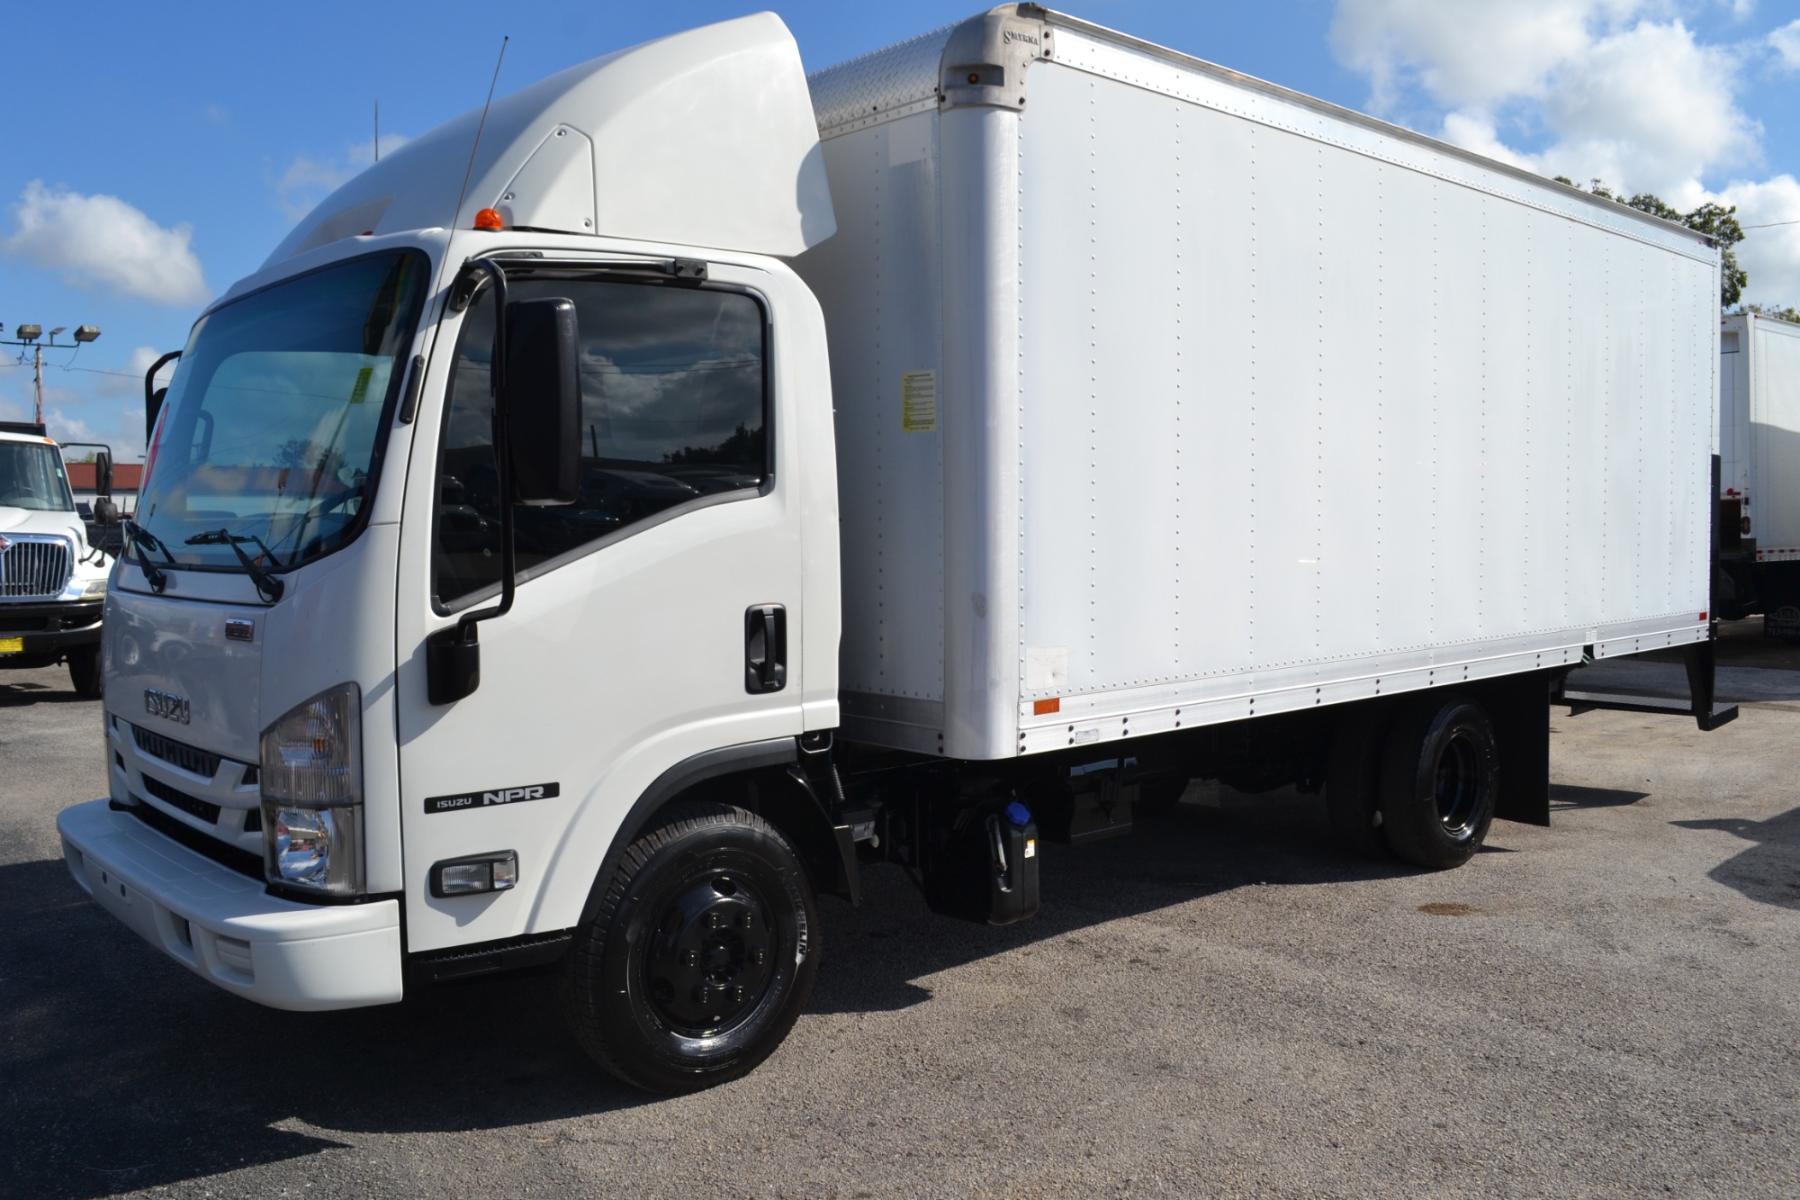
point(1168, 397)
point(1759, 428)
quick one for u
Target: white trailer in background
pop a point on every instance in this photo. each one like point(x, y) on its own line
point(744, 484)
point(1759, 484)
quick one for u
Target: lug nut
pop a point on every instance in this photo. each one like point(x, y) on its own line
point(737, 994)
point(758, 955)
point(690, 958)
point(744, 921)
point(714, 920)
point(703, 994)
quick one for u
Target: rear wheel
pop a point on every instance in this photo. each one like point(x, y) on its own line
point(701, 956)
point(84, 671)
point(1440, 775)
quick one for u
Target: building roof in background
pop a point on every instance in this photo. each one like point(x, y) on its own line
point(126, 476)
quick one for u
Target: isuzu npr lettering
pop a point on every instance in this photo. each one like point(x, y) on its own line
point(745, 478)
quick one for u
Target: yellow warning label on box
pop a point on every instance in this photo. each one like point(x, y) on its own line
point(918, 402)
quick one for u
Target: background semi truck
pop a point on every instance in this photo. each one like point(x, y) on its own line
point(52, 576)
point(623, 513)
point(1759, 453)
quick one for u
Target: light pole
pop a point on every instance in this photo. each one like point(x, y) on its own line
point(28, 335)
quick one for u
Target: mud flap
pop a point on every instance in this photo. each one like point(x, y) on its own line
point(1520, 710)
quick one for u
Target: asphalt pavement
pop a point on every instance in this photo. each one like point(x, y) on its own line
point(1220, 1004)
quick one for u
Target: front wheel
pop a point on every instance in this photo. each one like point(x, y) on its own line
point(1440, 776)
point(84, 671)
point(701, 956)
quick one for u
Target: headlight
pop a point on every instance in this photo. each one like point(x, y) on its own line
point(95, 587)
point(311, 777)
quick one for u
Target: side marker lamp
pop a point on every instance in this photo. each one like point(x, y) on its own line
point(495, 871)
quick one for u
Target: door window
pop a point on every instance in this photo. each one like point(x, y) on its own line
point(674, 411)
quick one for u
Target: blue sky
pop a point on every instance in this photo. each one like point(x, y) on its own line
point(156, 155)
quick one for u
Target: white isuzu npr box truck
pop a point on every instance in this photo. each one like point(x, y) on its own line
point(1759, 456)
point(733, 482)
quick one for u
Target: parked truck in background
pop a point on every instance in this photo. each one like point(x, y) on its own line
point(52, 577)
point(744, 481)
point(1759, 454)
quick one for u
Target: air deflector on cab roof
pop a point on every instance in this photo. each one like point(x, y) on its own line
point(703, 138)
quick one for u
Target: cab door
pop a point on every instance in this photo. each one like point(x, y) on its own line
point(655, 619)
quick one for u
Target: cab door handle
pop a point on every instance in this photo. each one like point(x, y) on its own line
point(765, 648)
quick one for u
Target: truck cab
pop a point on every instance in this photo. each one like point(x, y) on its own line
point(52, 578)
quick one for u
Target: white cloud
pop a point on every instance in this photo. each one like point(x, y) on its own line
point(1770, 255)
point(1785, 41)
point(140, 361)
point(1621, 90)
point(1474, 130)
point(1648, 109)
point(1469, 53)
point(103, 240)
point(308, 179)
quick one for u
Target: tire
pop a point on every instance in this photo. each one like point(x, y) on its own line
point(1353, 781)
point(701, 957)
point(84, 671)
point(1440, 776)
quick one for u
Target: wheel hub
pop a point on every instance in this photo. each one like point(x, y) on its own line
point(712, 956)
point(1457, 786)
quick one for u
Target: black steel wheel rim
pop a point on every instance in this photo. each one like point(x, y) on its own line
point(710, 960)
point(1456, 785)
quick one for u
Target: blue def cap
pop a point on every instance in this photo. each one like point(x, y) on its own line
point(1017, 814)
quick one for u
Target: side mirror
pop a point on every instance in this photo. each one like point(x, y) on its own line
point(543, 400)
point(103, 474)
point(153, 395)
point(105, 512)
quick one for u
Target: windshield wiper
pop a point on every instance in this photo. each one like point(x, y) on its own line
point(268, 585)
point(153, 574)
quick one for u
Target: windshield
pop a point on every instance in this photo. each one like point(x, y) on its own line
point(274, 425)
point(31, 476)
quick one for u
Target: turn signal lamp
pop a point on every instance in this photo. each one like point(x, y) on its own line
point(311, 784)
point(489, 220)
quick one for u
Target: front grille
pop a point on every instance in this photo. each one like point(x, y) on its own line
point(237, 859)
point(33, 566)
point(179, 754)
point(193, 806)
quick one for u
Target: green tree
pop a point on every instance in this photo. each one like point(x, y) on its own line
point(1716, 221)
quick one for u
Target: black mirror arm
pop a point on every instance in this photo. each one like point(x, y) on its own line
point(502, 450)
point(152, 403)
point(453, 654)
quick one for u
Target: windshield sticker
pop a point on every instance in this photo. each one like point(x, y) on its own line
point(360, 392)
